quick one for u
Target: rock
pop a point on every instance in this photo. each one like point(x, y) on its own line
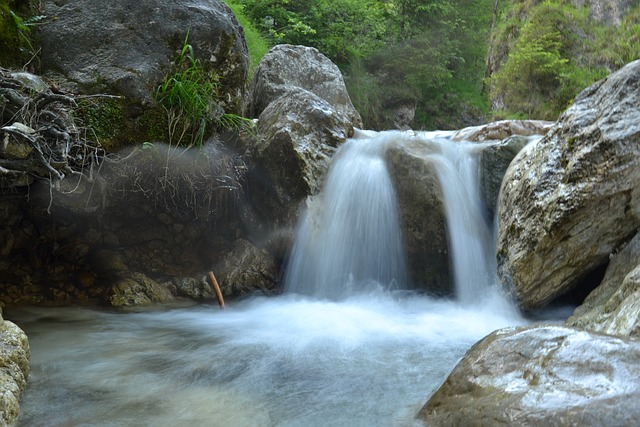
point(14, 370)
point(607, 12)
point(125, 48)
point(247, 269)
point(614, 306)
point(297, 135)
point(136, 290)
point(541, 376)
point(287, 68)
point(422, 215)
point(495, 159)
point(33, 82)
point(570, 199)
point(503, 129)
point(404, 114)
point(192, 288)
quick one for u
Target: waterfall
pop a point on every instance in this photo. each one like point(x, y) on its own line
point(470, 236)
point(349, 239)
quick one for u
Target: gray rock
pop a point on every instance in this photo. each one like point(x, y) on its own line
point(422, 215)
point(14, 370)
point(297, 135)
point(137, 290)
point(503, 129)
point(570, 199)
point(614, 306)
point(247, 269)
point(541, 376)
point(287, 68)
point(125, 48)
point(495, 159)
point(192, 288)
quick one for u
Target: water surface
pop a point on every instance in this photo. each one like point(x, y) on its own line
point(370, 360)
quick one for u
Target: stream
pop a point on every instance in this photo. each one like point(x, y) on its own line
point(370, 360)
point(347, 344)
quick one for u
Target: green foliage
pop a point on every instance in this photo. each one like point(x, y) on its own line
point(17, 42)
point(558, 51)
point(257, 44)
point(190, 95)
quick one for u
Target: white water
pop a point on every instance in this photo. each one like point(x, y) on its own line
point(358, 354)
point(349, 239)
point(470, 236)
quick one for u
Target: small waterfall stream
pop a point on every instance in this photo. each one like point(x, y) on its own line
point(349, 238)
point(470, 236)
point(341, 347)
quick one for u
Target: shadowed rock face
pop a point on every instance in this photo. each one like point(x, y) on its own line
point(422, 214)
point(541, 376)
point(570, 199)
point(614, 306)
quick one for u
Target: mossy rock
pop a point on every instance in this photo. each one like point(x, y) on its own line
point(115, 123)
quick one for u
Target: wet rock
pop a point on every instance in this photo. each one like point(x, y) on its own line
point(614, 306)
point(541, 376)
point(422, 215)
point(494, 162)
point(247, 269)
point(14, 370)
point(297, 135)
point(287, 68)
point(570, 199)
point(192, 288)
point(138, 290)
point(503, 129)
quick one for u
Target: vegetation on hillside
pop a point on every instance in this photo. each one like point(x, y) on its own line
point(554, 51)
point(432, 54)
point(393, 53)
point(427, 55)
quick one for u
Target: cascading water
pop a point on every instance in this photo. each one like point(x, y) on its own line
point(470, 236)
point(337, 349)
point(349, 238)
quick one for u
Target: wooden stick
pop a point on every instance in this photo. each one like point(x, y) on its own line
point(216, 288)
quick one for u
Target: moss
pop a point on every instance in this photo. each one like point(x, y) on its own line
point(17, 42)
point(9, 38)
point(115, 123)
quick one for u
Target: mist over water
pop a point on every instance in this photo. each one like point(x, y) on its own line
point(346, 345)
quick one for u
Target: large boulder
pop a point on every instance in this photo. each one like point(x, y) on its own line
point(287, 68)
point(126, 48)
point(421, 212)
point(614, 306)
point(297, 136)
point(14, 369)
point(573, 197)
point(121, 52)
point(541, 376)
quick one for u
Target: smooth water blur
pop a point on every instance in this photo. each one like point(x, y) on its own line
point(471, 237)
point(349, 238)
point(369, 360)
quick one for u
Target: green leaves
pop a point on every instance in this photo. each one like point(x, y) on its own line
point(191, 97)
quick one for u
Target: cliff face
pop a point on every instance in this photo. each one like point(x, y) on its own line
point(559, 47)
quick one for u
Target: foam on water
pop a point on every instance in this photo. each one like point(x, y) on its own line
point(370, 360)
